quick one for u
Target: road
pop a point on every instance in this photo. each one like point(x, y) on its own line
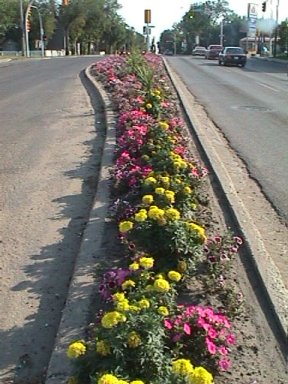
point(50, 151)
point(250, 107)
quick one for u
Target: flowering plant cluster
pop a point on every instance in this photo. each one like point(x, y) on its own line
point(143, 336)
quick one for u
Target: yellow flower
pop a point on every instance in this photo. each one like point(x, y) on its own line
point(134, 266)
point(187, 190)
point(128, 284)
point(108, 379)
point(157, 92)
point(134, 340)
point(134, 308)
point(160, 276)
point(197, 228)
point(200, 376)
point(125, 226)
point(174, 276)
point(144, 303)
point(76, 349)
point(149, 106)
point(103, 348)
point(141, 215)
point(146, 262)
point(111, 319)
point(147, 199)
point(165, 180)
point(123, 305)
point(170, 196)
point(150, 180)
point(163, 311)
point(155, 213)
point(172, 214)
point(161, 285)
point(163, 124)
point(119, 296)
point(182, 367)
point(137, 382)
point(160, 191)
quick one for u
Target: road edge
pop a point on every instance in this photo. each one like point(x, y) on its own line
point(82, 287)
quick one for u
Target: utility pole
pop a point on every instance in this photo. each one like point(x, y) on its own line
point(276, 30)
point(23, 45)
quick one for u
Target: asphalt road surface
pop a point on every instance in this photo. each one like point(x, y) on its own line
point(50, 149)
point(249, 105)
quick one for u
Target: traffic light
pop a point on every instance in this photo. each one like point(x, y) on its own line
point(28, 23)
point(264, 6)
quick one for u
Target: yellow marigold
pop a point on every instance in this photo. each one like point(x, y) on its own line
point(147, 199)
point(125, 226)
point(128, 284)
point(197, 228)
point(187, 190)
point(174, 276)
point(76, 349)
point(149, 106)
point(163, 311)
point(161, 285)
point(134, 308)
point(160, 191)
point(200, 376)
point(150, 180)
point(141, 215)
point(111, 319)
point(103, 348)
point(134, 266)
point(146, 262)
point(163, 125)
point(165, 180)
point(157, 92)
point(156, 213)
point(123, 305)
point(160, 276)
point(137, 382)
point(108, 379)
point(170, 196)
point(144, 303)
point(182, 367)
point(134, 340)
point(119, 296)
point(172, 214)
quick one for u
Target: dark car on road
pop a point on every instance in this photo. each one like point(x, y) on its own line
point(232, 56)
point(212, 52)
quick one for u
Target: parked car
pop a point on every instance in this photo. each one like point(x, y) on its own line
point(212, 52)
point(232, 56)
point(199, 51)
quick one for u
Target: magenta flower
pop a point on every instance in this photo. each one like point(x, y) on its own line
point(224, 364)
point(212, 349)
point(187, 329)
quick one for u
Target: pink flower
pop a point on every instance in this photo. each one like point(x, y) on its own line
point(223, 350)
point(168, 324)
point(231, 339)
point(187, 329)
point(210, 346)
point(212, 333)
point(224, 364)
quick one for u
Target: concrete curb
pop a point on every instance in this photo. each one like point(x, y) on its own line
point(265, 269)
point(82, 287)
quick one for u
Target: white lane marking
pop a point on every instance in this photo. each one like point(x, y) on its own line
point(267, 86)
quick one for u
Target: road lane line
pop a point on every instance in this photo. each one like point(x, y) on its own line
point(267, 86)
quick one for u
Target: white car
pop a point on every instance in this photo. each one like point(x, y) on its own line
point(199, 51)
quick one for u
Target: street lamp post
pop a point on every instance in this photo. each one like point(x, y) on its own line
point(23, 47)
point(41, 30)
point(276, 30)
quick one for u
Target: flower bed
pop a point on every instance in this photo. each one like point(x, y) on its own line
point(146, 332)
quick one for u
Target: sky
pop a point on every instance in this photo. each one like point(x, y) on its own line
point(164, 13)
